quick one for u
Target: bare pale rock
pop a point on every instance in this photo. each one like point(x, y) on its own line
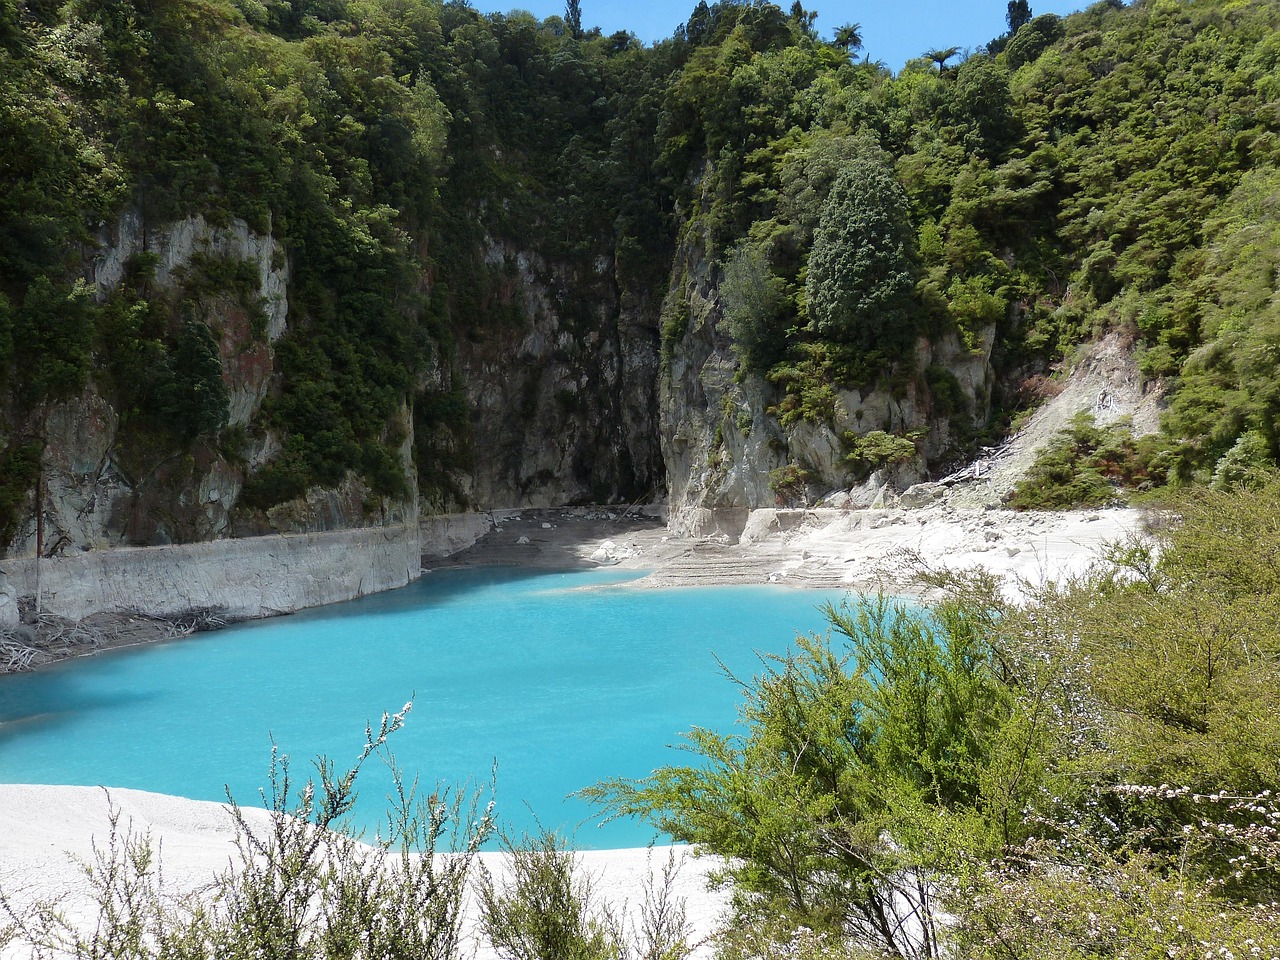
point(235, 578)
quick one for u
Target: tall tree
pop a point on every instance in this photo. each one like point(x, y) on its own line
point(573, 18)
point(1019, 12)
point(804, 19)
point(849, 37)
point(860, 285)
point(941, 56)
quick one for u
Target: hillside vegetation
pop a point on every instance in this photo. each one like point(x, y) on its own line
point(1116, 168)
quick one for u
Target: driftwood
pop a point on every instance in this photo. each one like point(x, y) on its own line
point(16, 656)
point(44, 636)
point(57, 631)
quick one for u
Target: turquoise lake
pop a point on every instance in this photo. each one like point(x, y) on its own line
point(561, 679)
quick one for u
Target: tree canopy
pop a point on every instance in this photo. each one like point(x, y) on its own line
point(1110, 170)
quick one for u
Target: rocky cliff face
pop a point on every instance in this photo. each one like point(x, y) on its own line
point(104, 483)
point(573, 400)
point(562, 403)
point(563, 400)
point(725, 448)
point(100, 486)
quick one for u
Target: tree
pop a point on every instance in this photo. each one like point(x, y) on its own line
point(866, 763)
point(983, 101)
point(698, 30)
point(753, 300)
point(573, 18)
point(1039, 34)
point(804, 19)
point(52, 335)
point(191, 396)
point(940, 57)
point(1018, 13)
point(860, 286)
point(849, 37)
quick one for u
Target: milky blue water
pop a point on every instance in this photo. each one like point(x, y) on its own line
point(562, 679)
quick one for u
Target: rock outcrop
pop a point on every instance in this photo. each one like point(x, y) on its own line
point(563, 402)
point(724, 445)
point(130, 520)
point(103, 485)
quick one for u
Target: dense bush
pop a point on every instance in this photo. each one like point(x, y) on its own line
point(859, 288)
point(1091, 772)
point(1090, 466)
point(868, 764)
point(1116, 168)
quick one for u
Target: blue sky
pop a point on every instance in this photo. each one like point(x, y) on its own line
point(892, 32)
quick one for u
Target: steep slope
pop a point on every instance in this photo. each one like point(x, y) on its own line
point(1105, 383)
point(271, 270)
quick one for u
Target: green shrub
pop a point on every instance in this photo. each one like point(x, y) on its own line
point(790, 483)
point(876, 449)
point(753, 301)
point(864, 764)
point(52, 335)
point(808, 385)
point(297, 888)
point(546, 909)
point(190, 395)
point(1089, 466)
point(1248, 462)
point(19, 468)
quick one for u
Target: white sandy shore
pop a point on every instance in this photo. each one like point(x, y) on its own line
point(44, 829)
point(47, 831)
point(858, 550)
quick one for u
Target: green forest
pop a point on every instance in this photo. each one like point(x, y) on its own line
point(1114, 170)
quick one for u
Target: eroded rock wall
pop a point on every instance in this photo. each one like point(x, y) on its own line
point(108, 482)
point(723, 441)
point(563, 399)
point(103, 485)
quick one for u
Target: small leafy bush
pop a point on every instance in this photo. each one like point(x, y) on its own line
point(546, 909)
point(877, 449)
point(1248, 462)
point(1090, 466)
point(788, 483)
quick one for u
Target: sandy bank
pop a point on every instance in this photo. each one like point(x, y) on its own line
point(45, 831)
point(861, 550)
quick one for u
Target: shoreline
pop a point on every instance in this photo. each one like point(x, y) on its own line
point(45, 830)
point(43, 827)
point(861, 550)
